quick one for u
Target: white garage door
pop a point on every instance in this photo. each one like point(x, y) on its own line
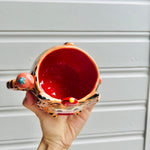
point(114, 32)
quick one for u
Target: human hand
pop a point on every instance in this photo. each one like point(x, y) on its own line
point(58, 133)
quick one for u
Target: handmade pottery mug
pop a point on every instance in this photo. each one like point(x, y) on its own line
point(64, 80)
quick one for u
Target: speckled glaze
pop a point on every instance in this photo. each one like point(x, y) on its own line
point(64, 79)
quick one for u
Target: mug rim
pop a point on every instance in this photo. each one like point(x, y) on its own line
point(50, 50)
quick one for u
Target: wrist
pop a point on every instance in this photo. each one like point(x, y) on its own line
point(51, 145)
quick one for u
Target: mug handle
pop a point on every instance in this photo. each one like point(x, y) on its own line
point(23, 82)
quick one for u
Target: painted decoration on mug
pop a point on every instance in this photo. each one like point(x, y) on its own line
point(64, 80)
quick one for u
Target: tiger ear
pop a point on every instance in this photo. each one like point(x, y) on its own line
point(24, 81)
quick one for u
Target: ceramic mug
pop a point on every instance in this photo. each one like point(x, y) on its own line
point(64, 79)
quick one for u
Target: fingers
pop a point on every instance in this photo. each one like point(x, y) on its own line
point(29, 102)
point(86, 112)
point(91, 107)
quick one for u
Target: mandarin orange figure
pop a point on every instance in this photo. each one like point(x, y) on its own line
point(64, 79)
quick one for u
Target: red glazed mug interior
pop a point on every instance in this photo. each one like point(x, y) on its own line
point(67, 72)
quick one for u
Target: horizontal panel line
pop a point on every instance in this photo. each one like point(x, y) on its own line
point(119, 108)
point(19, 144)
point(137, 2)
point(90, 137)
point(115, 102)
point(74, 37)
point(111, 134)
point(78, 40)
point(100, 107)
point(121, 69)
point(104, 69)
point(74, 31)
point(99, 104)
point(31, 144)
point(102, 33)
point(130, 72)
point(17, 141)
point(120, 103)
point(125, 69)
point(111, 139)
point(123, 72)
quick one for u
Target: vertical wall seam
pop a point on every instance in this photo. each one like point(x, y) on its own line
point(147, 123)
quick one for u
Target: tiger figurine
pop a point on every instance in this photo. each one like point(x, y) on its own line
point(64, 80)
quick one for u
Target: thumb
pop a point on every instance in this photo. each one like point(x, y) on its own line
point(29, 102)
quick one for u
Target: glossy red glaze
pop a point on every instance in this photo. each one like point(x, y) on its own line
point(66, 101)
point(67, 72)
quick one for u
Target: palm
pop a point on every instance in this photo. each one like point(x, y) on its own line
point(61, 130)
point(65, 128)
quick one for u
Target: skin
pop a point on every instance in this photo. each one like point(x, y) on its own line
point(58, 133)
